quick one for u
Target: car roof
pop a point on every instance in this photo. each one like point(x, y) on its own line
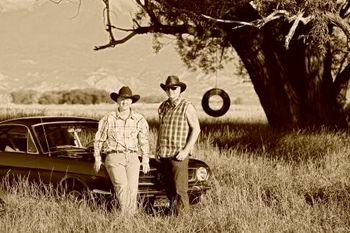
point(44, 119)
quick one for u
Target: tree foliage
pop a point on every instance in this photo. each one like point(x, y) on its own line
point(201, 27)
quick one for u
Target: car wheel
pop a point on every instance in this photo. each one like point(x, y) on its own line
point(73, 189)
point(195, 198)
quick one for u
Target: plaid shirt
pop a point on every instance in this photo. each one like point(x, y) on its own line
point(117, 134)
point(173, 128)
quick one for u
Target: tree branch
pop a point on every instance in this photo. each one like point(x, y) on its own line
point(113, 42)
point(338, 21)
point(109, 24)
point(291, 32)
point(256, 23)
point(165, 29)
point(56, 2)
point(259, 23)
point(341, 85)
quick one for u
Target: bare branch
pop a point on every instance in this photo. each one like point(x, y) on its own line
point(259, 23)
point(56, 2)
point(164, 29)
point(108, 24)
point(256, 23)
point(113, 43)
point(292, 29)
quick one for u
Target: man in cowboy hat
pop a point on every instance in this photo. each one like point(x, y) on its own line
point(178, 131)
point(123, 134)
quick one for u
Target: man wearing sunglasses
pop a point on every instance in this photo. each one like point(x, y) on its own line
point(178, 132)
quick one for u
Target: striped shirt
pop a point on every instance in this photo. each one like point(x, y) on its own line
point(173, 129)
point(117, 134)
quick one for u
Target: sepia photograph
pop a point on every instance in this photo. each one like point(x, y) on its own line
point(174, 116)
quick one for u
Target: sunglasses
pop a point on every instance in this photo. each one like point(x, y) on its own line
point(172, 88)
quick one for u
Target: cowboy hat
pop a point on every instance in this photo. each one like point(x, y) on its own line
point(124, 92)
point(173, 81)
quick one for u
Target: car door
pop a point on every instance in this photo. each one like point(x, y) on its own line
point(18, 153)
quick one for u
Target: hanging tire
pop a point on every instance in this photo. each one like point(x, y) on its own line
point(225, 99)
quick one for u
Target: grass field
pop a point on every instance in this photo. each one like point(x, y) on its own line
point(263, 181)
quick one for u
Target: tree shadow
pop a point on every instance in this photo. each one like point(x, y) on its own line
point(334, 194)
point(249, 137)
point(260, 139)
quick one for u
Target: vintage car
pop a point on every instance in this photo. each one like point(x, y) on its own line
point(59, 151)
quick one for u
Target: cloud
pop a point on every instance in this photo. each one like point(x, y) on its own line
point(29, 62)
point(15, 5)
point(124, 6)
point(3, 85)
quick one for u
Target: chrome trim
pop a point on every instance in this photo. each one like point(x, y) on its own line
point(99, 191)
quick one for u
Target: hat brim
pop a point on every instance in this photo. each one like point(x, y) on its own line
point(182, 85)
point(114, 96)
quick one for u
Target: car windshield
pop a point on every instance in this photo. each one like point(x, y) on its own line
point(57, 135)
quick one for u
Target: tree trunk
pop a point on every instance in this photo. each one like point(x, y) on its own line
point(295, 86)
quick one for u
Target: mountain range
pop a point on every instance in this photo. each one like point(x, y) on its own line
point(47, 46)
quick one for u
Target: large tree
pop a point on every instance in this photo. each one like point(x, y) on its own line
point(295, 51)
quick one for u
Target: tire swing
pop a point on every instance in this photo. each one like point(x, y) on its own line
point(216, 92)
point(225, 99)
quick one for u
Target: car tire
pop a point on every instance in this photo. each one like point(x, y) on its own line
point(73, 189)
point(195, 198)
point(225, 98)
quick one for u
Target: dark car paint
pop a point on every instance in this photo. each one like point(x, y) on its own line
point(77, 163)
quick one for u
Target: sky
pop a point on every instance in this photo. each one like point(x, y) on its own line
point(43, 40)
point(13, 5)
point(50, 46)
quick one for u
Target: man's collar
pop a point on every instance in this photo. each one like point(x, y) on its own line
point(176, 102)
point(131, 115)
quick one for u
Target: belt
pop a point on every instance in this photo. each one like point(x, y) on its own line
point(122, 151)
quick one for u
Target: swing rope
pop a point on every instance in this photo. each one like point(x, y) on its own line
point(216, 67)
point(216, 92)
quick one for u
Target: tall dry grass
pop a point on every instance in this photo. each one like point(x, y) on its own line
point(262, 181)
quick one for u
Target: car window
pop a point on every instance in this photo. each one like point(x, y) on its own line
point(53, 136)
point(16, 139)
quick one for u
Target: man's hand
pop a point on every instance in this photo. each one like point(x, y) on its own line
point(182, 155)
point(145, 167)
point(97, 165)
point(157, 158)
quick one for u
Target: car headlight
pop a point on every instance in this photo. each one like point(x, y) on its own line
point(202, 174)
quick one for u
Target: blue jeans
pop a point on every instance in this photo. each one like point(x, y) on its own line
point(176, 183)
point(123, 170)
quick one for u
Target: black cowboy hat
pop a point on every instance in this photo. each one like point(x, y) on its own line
point(173, 81)
point(124, 92)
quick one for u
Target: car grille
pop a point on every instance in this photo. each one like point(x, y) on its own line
point(155, 178)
